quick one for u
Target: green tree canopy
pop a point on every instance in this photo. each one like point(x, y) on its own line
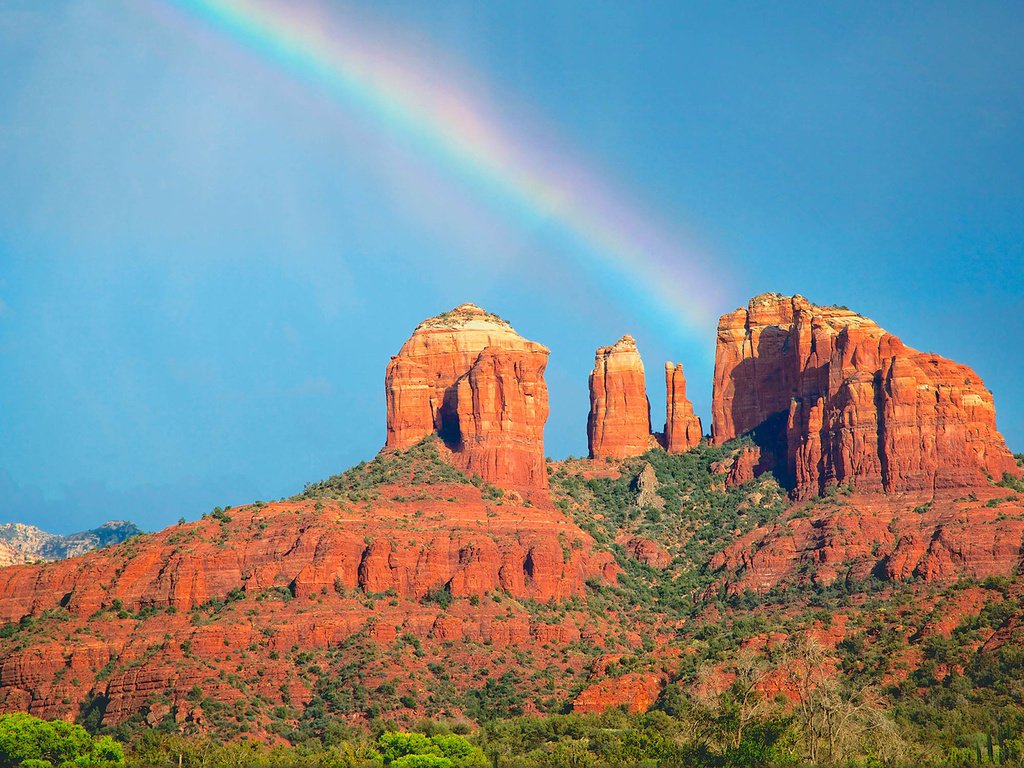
point(416, 750)
point(29, 741)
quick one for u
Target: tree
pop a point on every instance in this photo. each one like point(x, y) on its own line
point(723, 718)
point(840, 722)
point(416, 750)
point(25, 738)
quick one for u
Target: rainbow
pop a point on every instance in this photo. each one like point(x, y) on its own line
point(647, 263)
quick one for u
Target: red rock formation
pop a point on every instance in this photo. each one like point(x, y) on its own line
point(755, 372)
point(184, 607)
point(619, 424)
point(744, 468)
point(683, 429)
point(648, 552)
point(834, 399)
point(940, 537)
point(469, 377)
point(637, 691)
point(500, 407)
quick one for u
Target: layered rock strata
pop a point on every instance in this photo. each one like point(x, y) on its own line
point(928, 537)
point(468, 377)
point(834, 399)
point(683, 429)
point(138, 625)
point(619, 424)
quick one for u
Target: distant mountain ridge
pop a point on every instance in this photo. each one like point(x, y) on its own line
point(20, 543)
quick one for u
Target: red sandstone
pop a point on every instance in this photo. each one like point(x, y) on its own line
point(683, 429)
point(619, 424)
point(833, 399)
point(469, 377)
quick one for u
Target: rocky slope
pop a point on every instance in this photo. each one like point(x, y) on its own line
point(913, 538)
point(404, 550)
point(20, 543)
point(832, 399)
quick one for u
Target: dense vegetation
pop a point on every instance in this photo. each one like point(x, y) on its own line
point(971, 718)
point(695, 517)
point(33, 743)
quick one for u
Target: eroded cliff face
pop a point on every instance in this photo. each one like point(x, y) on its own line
point(683, 429)
point(468, 377)
point(619, 424)
point(308, 546)
point(923, 536)
point(500, 408)
point(833, 399)
point(136, 626)
point(634, 691)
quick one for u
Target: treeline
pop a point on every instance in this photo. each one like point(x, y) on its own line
point(731, 733)
point(29, 742)
point(752, 712)
point(798, 705)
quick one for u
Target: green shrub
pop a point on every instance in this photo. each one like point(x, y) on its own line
point(421, 464)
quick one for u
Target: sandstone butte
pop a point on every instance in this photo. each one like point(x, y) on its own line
point(469, 378)
point(619, 424)
point(832, 399)
point(337, 568)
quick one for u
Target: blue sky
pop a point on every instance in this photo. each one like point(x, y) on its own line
point(206, 262)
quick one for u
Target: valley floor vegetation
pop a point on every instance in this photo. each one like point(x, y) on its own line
point(968, 720)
